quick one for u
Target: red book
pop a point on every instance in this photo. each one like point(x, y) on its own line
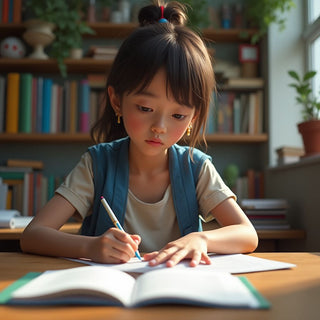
point(5, 11)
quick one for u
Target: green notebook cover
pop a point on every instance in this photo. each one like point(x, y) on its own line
point(5, 295)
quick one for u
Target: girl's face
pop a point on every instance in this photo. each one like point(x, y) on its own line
point(153, 119)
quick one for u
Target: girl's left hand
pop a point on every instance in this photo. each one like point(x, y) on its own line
point(192, 246)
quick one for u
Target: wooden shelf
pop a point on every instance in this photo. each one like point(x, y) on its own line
point(85, 65)
point(237, 138)
point(46, 137)
point(112, 30)
point(85, 138)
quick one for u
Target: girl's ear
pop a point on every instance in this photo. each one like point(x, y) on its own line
point(114, 100)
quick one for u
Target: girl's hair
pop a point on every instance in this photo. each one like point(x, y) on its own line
point(152, 46)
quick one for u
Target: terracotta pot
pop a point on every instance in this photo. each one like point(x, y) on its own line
point(310, 131)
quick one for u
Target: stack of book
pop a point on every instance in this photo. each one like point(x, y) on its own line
point(102, 52)
point(26, 189)
point(289, 155)
point(266, 213)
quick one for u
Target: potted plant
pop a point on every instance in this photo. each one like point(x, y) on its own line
point(66, 16)
point(310, 127)
point(261, 14)
point(197, 13)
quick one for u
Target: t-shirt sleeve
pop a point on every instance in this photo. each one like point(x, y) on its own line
point(211, 190)
point(78, 187)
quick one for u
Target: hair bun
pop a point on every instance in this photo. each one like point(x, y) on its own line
point(174, 12)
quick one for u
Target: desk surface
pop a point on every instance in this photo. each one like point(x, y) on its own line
point(294, 293)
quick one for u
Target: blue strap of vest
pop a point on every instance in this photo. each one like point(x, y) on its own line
point(111, 179)
point(184, 175)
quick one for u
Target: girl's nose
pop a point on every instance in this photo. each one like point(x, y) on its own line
point(159, 126)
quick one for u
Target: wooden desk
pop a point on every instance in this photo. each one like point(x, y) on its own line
point(15, 234)
point(268, 239)
point(294, 293)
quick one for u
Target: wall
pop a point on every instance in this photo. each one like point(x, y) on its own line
point(285, 52)
point(300, 184)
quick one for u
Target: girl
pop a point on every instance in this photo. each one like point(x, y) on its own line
point(158, 90)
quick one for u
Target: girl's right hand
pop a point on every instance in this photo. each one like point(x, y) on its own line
point(114, 246)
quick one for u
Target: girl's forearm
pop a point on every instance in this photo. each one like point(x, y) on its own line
point(48, 241)
point(232, 239)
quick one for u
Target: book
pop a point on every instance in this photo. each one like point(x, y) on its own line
point(17, 11)
point(12, 107)
point(2, 102)
point(34, 164)
point(97, 285)
point(3, 194)
point(25, 103)
point(46, 105)
point(12, 219)
point(264, 204)
point(288, 154)
point(252, 83)
point(84, 105)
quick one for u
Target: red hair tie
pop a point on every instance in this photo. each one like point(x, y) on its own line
point(162, 18)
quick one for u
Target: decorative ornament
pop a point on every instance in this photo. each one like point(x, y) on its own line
point(12, 47)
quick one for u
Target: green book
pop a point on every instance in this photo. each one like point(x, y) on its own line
point(25, 103)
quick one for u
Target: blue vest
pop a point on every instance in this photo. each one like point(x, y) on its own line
point(111, 179)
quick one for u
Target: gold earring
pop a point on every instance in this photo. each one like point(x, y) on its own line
point(189, 130)
point(118, 118)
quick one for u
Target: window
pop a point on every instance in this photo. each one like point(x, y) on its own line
point(314, 10)
point(312, 37)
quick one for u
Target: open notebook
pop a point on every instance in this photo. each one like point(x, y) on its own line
point(97, 285)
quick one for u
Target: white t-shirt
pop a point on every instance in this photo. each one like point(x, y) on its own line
point(156, 223)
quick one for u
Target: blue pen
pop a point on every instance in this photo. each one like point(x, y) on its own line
point(115, 220)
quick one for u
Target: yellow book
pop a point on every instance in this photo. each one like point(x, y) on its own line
point(12, 116)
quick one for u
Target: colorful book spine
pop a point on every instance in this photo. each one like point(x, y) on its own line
point(25, 103)
point(2, 102)
point(39, 105)
point(10, 14)
point(12, 108)
point(17, 11)
point(84, 101)
point(73, 106)
point(34, 96)
point(46, 105)
point(5, 11)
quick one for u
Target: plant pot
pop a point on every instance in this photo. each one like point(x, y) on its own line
point(38, 35)
point(310, 131)
point(76, 53)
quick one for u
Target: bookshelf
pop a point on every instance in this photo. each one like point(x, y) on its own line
point(66, 148)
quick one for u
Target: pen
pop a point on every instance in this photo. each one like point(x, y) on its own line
point(115, 220)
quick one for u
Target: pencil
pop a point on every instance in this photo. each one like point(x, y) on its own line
point(115, 220)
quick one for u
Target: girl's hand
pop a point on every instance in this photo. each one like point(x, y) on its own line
point(192, 246)
point(114, 246)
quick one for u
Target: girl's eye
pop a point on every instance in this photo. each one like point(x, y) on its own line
point(179, 116)
point(144, 109)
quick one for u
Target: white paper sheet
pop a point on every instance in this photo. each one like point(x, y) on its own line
point(232, 263)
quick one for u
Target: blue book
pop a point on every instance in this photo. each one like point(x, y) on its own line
point(10, 16)
point(46, 105)
point(39, 105)
point(84, 103)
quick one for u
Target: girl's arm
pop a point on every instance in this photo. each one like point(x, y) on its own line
point(42, 236)
point(237, 235)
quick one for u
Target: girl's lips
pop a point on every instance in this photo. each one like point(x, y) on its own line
point(155, 141)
